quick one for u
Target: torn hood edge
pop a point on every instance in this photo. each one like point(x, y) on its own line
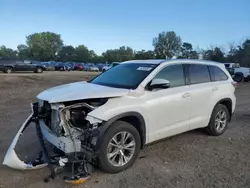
point(78, 91)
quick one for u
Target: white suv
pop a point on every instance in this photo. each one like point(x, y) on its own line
point(107, 120)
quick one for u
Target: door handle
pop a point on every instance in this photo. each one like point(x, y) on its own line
point(215, 88)
point(186, 95)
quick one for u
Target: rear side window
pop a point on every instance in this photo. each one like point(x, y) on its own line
point(174, 74)
point(217, 74)
point(198, 73)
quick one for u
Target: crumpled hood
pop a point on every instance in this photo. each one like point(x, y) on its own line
point(78, 91)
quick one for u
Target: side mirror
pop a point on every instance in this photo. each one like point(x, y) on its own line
point(159, 83)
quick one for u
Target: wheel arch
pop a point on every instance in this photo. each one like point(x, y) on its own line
point(134, 118)
point(228, 103)
point(9, 66)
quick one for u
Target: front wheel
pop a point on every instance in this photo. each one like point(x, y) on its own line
point(219, 120)
point(120, 147)
point(8, 70)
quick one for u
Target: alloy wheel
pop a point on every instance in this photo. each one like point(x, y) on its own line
point(220, 120)
point(121, 149)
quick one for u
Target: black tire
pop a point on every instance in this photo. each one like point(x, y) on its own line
point(246, 79)
point(211, 128)
point(38, 70)
point(8, 70)
point(238, 77)
point(117, 127)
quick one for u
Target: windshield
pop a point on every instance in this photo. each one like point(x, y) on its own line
point(128, 75)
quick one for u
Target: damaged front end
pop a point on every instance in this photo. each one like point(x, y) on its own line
point(70, 130)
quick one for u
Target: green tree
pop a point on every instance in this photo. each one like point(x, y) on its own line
point(245, 52)
point(144, 54)
point(187, 51)
point(214, 54)
point(167, 44)
point(67, 53)
point(93, 57)
point(44, 46)
point(82, 54)
point(23, 51)
point(117, 55)
point(7, 52)
point(239, 54)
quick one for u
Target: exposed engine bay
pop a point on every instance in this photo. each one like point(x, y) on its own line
point(70, 130)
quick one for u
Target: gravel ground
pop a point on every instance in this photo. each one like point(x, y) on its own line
point(191, 160)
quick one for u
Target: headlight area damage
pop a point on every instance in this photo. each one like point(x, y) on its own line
point(70, 130)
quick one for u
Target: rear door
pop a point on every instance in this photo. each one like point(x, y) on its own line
point(201, 90)
point(222, 87)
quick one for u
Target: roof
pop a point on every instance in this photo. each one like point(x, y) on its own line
point(149, 61)
point(159, 61)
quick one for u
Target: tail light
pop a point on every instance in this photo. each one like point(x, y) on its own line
point(234, 83)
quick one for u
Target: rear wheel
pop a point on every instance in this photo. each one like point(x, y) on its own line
point(120, 147)
point(238, 77)
point(219, 120)
point(8, 70)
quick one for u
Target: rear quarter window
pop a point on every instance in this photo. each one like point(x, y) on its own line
point(198, 73)
point(217, 74)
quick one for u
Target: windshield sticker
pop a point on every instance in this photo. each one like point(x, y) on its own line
point(144, 68)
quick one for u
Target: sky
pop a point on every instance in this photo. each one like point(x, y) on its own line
point(109, 24)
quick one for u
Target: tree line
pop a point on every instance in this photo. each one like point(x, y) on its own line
point(48, 46)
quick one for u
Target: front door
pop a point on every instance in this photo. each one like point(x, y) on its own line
point(168, 109)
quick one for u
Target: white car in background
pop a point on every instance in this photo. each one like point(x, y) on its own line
point(94, 68)
point(110, 66)
point(239, 73)
point(106, 121)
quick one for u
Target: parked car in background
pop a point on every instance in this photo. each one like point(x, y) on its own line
point(109, 66)
point(91, 67)
point(62, 66)
point(94, 68)
point(79, 66)
point(57, 65)
point(13, 65)
point(87, 66)
point(100, 66)
point(48, 66)
point(238, 73)
point(70, 66)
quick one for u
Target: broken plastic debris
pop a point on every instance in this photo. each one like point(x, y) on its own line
point(62, 161)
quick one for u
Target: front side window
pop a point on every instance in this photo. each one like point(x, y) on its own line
point(174, 74)
point(217, 74)
point(198, 73)
point(127, 75)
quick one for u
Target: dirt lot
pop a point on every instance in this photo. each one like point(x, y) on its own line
point(193, 159)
